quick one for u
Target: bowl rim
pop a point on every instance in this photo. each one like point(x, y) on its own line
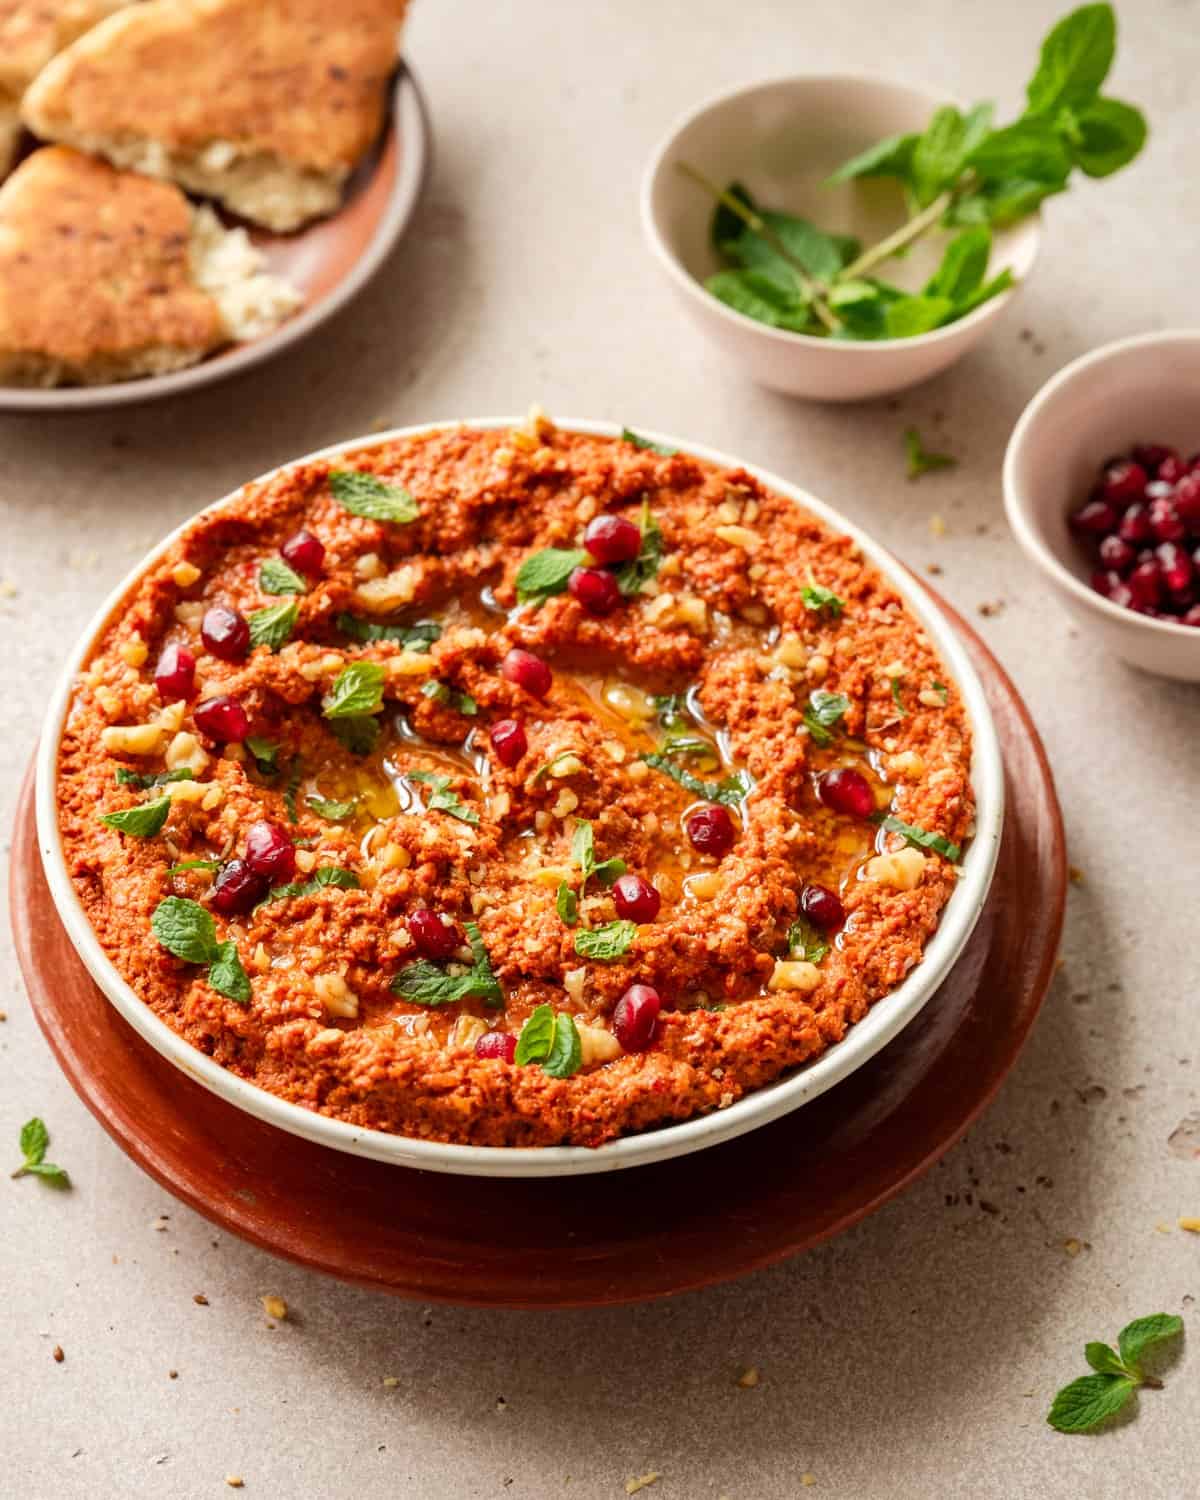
point(1020, 510)
point(409, 122)
point(852, 348)
point(882, 1022)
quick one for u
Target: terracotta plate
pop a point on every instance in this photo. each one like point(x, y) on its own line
point(329, 262)
point(621, 1236)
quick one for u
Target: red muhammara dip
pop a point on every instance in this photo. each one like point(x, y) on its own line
point(513, 787)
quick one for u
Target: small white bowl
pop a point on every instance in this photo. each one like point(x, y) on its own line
point(881, 1023)
point(1144, 389)
point(782, 139)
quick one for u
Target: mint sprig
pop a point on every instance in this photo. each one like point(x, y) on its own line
point(822, 601)
point(418, 636)
point(34, 1140)
point(647, 444)
point(143, 821)
point(551, 1040)
point(606, 943)
point(919, 459)
point(273, 626)
point(442, 799)
point(364, 494)
point(276, 577)
point(427, 983)
point(731, 790)
point(357, 690)
point(1085, 1403)
point(921, 838)
point(186, 929)
point(443, 693)
point(544, 574)
point(825, 711)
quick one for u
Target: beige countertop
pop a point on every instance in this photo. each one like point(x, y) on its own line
point(915, 1355)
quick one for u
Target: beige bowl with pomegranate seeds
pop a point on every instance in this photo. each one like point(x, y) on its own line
point(636, 464)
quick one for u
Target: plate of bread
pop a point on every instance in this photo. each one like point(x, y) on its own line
point(191, 186)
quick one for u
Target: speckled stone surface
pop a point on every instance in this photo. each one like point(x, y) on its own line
point(914, 1356)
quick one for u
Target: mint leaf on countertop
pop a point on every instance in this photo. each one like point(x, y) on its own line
point(34, 1139)
point(1092, 1399)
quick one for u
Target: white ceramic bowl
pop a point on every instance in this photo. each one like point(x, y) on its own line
point(1144, 389)
point(882, 1023)
point(781, 139)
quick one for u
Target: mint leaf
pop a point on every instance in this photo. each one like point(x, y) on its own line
point(1110, 135)
point(963, 266)
point(632, 575)
point(185, 929)
point(1136, 1337)
point(226, 975)
point(909, 317)
point(822, 255)
point(804, 941)
point(726, 225)
point(566, 1052)
point(143, 821)
point(1076, 56)
point(606, 943)
point(323, 876)
point(824, 713)
point(920, 460)
point(891, 157)
point(144, 780)
point(692, 746)
point(295, 772)
point(1029, 148)
point(627, 436)
point(266, 755)
point(920, 838)
point(1088, 1401)
point(441, 799)
point(47, 1171)
point(537, 1036)
point(357, 689)
point(941, 151)
point(545, 573)
point(356, 734)
point(275, 577)
point(273, 626)
point(418, 636)
point(367, 495)
point(999, 283)
point(566, 904)
point(897, 700)
point(820, 600)
point(758, 295)
point(332, 812)
point(730, 791)
point(193, 864)
point(34, 1140)
point(442, 692)
point(425, 983)
point(1104, 1359)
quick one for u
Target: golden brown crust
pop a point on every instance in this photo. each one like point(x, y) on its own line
point(33, 31)
point(94, 266)
point(301, 80)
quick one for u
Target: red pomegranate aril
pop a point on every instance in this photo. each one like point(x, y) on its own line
point(501, 1045)
point(635, 1018)
point(1094, 518)
point(1159, 489)
point(1192, 617)
point(223, 719)
point(1150, 455)
point(304, 553)
point(822, 907)
point(1182, 601)
point(1106, 582)
point(1116, 554)
point(432, 937)
point(1123, 482)
point(1176, 566)
point(1172, 469)
point(1146, 584)
point(270, 852)
point(612, 539)
point(527, 671)
point(1135, 525)
point(237, 888)
point(847, 791)
point(711, 829)
point(595, 589)
point(1187, 502)
point(509, 741)
point(1165, 525)
point(635, 898)
point(225, 633)
point(175, 674)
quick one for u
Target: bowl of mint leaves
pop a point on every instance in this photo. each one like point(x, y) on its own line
point(842, 236)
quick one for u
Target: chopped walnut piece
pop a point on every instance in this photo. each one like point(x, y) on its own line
point(901, 869)
point(184, 574)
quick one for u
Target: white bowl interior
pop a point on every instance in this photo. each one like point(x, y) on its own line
point(886, 1018)
point(782, 139)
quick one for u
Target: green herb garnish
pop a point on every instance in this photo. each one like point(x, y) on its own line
point(804, 941)
point(275, 577)
point(357, 734)
point(545, 573)
point(551, 1040)
point(367, 495)
point(633, 575)
point(547, 766)
point(427, 983)
point(442, 692)
point(1090, 1400)
point(646, 444)
point(418, 636)
point(922, 839)
point(824, 713)
point(583, 852)
point(143, 821)
point(34, 1140)
point(185, 929)
point(325, 876)
point(357, 690)
point(266, 756)
point(144, 780)
point(940, 687)
point(273, 626)
point(920, 461)
point(606, 943)
point(670, 708)
point(193, 864)
point(691, 746)
point(442, 799)
point(295, 773)
point(332, 812)
point(820, 600)
point(730, 791)
point(896, 698)
point(566, 904)
point(537, 1036)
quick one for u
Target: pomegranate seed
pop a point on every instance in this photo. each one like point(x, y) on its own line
point(612, 539)
point(1094, 518)
point(1116, 554)
point(270, 852)
point(1123, 482)
point(1187, 501)
point(1165, 525)
point(1184, 599)
point(635, 1018)
point(527, 671)
point(237, 888)
point(822, 908)
point(1192, 617)
point(509, 741)
point(304, 552)
point(1151, 455)
point(711, 829)
point(223, 719)
point(848, 792)
point(432, 937)
point(225, 633)
point(1146, 584)
point(1176, 566)
point(498, 1044)
point(1135, 525)
point(1172, 469)
point(1104, 580)
point(595, 589)
point(635, 898)
point(175, 674)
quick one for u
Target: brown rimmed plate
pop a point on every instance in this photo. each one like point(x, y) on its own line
point(329, 262)
point(618, 1237)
